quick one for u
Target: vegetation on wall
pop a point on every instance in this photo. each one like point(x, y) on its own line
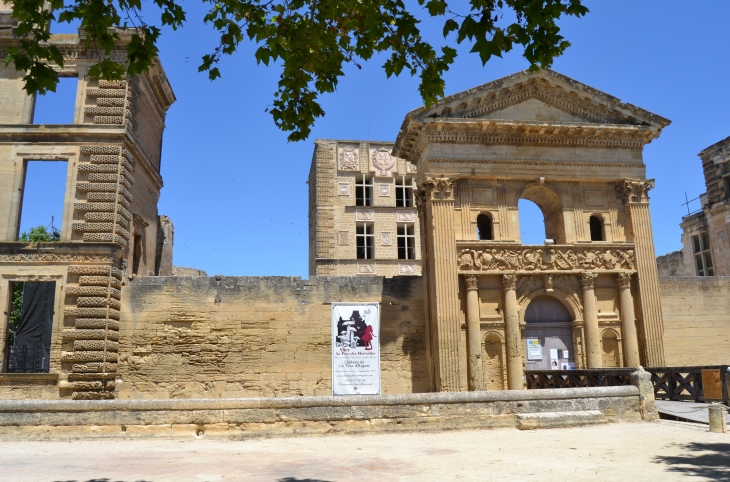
point(14, 318)
point(310, 39)
point(39, 234)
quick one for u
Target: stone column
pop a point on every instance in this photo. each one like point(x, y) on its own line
point(515, 372)
point(590, 317)
point(473, 335)
point(636, 200)
point(436, 199)
point(628, 323)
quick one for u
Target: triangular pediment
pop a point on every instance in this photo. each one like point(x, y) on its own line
point(544, 95)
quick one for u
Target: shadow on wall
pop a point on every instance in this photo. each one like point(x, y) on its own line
point(710, 460)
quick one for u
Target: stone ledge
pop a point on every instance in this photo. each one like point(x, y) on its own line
point(529, 421)
point(28, 377)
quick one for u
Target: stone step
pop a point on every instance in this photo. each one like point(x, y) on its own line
point(529, 421)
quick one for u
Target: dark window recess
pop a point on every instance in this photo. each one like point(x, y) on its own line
point(365, 234)
point(484, 227)
point(137, 253)
point(30, 348)
point(363, 191)
point(596, 229)
point(406, 242)
point(403, 192)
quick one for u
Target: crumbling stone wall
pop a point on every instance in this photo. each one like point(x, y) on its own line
point(696, 320)
point(186, 337)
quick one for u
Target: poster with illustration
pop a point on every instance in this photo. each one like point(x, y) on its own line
point(355, 349)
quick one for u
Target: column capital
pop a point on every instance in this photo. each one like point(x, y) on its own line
point(587, 278)
point(635, 190)
point(472, 282)
point(623, 280)
point(509, 281)
point(438, 188)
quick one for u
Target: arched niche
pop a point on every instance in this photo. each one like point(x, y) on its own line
point(493, 361)
point(597, 227)
point(551, 206)
point(611, 352)
point(485, 226)
point(574, 309)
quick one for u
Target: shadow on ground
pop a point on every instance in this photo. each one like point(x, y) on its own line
point(294, 479)
point(711, 460)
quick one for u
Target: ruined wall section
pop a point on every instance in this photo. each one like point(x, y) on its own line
point(696, 321)
point(184, 337)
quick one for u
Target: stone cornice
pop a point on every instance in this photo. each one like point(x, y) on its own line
point(721, 148)
point(60, 252)
point(529, 162)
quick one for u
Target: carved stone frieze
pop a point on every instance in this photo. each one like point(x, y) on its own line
point(364, 215)
point(55, 258)
point(382, 162)
point(405, 216)
point(406, 269)
point(635, 190)
point(556, 258)
point(365, 268)
point(349, 158)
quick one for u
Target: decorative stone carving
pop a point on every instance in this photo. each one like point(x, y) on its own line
point(587, 278)
point(558, 258)
point(411, 167)
point(548, 280)
point(55, 258)
point(636, 190)
point(365, 268)
point(385, 239)
point(364, 215)
point(569, 284)
point(343, 238)
point(406, 269)
point(439, 188)
point(343, 189)
point(405, 216)
point(382, 162)
point(527, 285)
point(349, 159)
point(384, 190)
point(472, 282)
point(623, 280)
point(509, 281)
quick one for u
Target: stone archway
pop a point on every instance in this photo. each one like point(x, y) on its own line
point(548, 325)
point(551, 206)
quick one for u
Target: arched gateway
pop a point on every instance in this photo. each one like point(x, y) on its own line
point(575, 152)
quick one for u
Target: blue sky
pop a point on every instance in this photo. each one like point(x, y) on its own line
point(235, 188)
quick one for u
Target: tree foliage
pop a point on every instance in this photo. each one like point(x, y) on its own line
point(16, 305)
point(39, 234)
point(311, 39)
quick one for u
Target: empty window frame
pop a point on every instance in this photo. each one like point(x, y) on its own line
point(596, 225)
point(702, 255)
point(30, 326)
point(136, 253)
point(57, 107)
point(365, 235)
point(43, 195)
point(726, 176)
point(406, 241)
point(363, 191)
point(404, 192)
point(484, 227)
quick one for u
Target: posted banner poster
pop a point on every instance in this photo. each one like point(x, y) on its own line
point(355, 348)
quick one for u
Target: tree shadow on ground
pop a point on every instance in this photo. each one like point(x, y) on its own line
point(294, 479)
point(100, 480)
point(711, 460)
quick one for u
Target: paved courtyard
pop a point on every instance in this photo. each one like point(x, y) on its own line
point(626, 451)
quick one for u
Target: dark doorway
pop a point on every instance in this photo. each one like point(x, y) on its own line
point(484, 227)
point(31, 327)
point(548, 335)
point(596, 229)
point(137, 253)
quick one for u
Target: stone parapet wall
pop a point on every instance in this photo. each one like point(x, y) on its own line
point(266, 417)
point(210, 337)
point(696, 311)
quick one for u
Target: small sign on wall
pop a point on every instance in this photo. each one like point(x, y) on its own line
point(534, 349)
point(355, 349)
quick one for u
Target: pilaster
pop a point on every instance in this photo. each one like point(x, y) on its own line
point(513, 337)
point(636, 199)
point(475, 372)
point(437, 200)
point(590, 317)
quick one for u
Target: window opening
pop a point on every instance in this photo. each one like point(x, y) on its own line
point(41, 211)
point(596, 229)
point(484, 227)
point(137, 253)
point(57, 107)
point(30, 326)
point(532, 222)
point(702, 254)
point(363, 191)
point(365, 234)
point(406, 241)
point(403, 192)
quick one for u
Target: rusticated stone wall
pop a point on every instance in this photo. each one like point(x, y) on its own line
point(696, 313)
point(203, 337)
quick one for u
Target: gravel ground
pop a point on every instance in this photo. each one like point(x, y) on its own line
point(621, 451)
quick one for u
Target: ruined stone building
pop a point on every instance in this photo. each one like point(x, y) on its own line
point(706, 233)
point(428, 226)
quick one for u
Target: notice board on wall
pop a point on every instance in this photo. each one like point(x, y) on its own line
point(356, 348)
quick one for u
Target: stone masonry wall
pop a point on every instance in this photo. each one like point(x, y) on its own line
point(696, 314)
point(209, 337)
